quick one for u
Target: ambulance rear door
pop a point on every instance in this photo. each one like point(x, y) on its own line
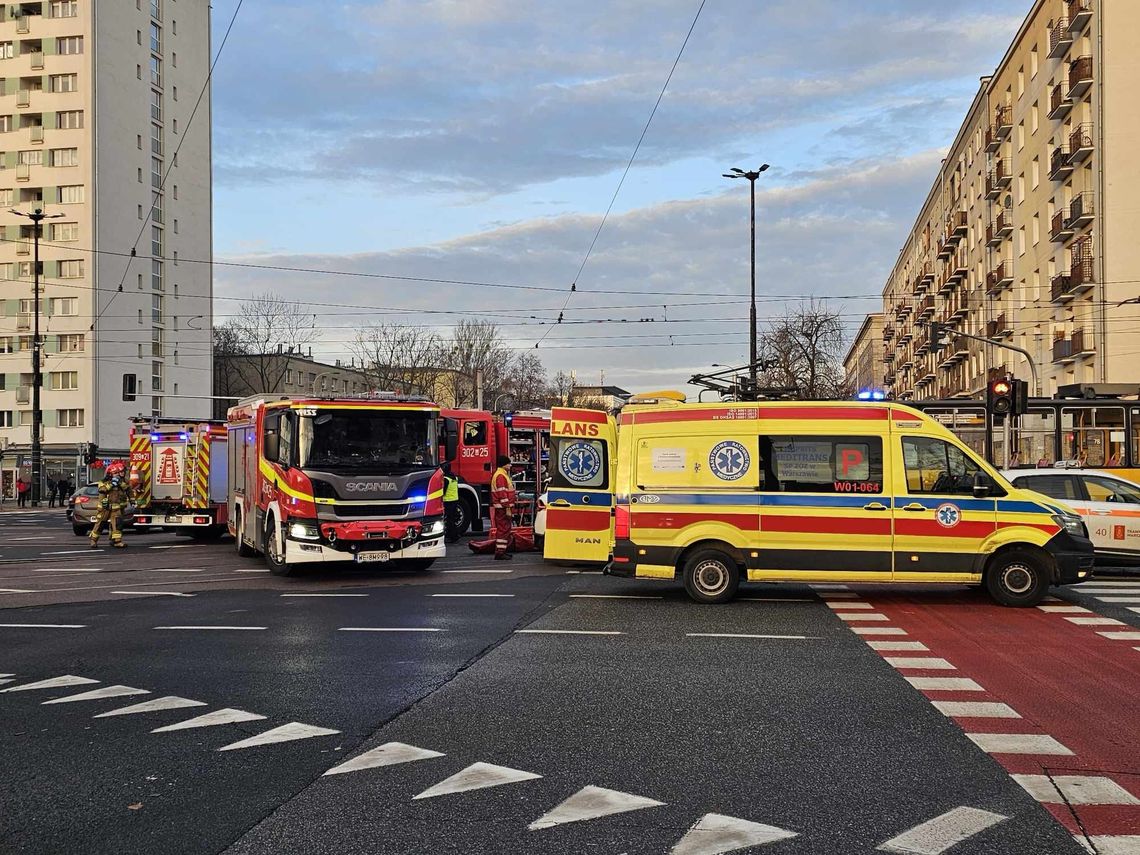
point(580, 501)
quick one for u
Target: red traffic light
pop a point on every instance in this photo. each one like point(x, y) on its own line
point(1001, 387)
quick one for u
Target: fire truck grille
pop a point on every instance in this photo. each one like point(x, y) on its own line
point(359, 511)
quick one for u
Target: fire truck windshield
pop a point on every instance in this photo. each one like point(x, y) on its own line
point(359, 439)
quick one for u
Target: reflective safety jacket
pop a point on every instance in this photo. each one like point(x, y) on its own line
point(502, 488)
point(450, 488)
point(113, 496)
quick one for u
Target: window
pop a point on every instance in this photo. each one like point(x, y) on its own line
point(69, 120)
point(65, 157)
point(156, 275)
point(7, 272)
point(822, 464)
point(1034, 64)
point(65, 306)
point(6, 124)
point(1036, 229)
point(1035, 117)
point(156, 308)
point(69, 418)
point(156, 241)
point(156, 9)
point(69, 45)
point(31, 158)
point(71, 194)
point(155, 173)
point(7, 344)
point(8, 197)
point(935, 467)
point(1110, 490)
point(7, 50)
point(63, 82)
point(156, 105)
point(6, 419)
point(581, 462)
point(155, 37)
point(64, 381)
point(71, 268)
point(25, 418)
point(156, 376)
point(156, 139)
point(156, 342)
point(156, 71)
point(1093, 436)
point(64, 8)
point(69, 343)
point(1063, 487)
point(288, 376)
point(474, 433)
point(64, 231)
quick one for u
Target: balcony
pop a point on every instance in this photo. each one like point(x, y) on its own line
point(1060, 232)
point(1080, 212)
point(997, 180)
point(23, 25)
point(1082, 344)
point(1060, 291)
point(959, 225)
point(1063, 349)
point(919, 286)
point(888, 355)
point(24, 395)
point(1080, 144)
point(1059, 166)
point(24, 247)
point(1082, 274)
point(1000, 277)
point(889, 378)
point(37, 133)
point(24, 321)
point(1080, 11)
point(1059, 104)
point(24, 98)
point(905, 335)
point(888, 333)
point(1080, 77)
point(1060, 39)
point(945, 249)
point(1000, 129)
point(925, 308)
point(37, 60)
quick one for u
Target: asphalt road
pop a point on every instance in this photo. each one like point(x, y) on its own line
point(544, 709)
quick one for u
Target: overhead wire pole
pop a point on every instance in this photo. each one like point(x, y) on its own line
point(751, 175)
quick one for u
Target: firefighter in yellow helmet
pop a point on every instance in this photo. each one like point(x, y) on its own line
point(114, 496)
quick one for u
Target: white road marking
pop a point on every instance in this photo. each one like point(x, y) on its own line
point(173, 570)
point(226, 716)
point(388, 754)
point(324, 595)
point(1018, 743)
point(1095, 621)
point(16, 591)
point(174, 546)
point(742, 635)
point(96, 694)
point(975, 709)
point(252, 570)
point(477, 776)
point(53, 683)
point(38, 537)
point(213, 627)
point(1064, 609)
point(1137, 610)
point(388, 629)
point(1121, 636)
point(716, 833)
point(477, 571)
point(853, 616)
point(583, 572)
point(877, 630)
point(1122, 601)
point(155, 593)
point(170, 702)
point(937, 835)
point(839, 595)
point(752, 599)
point(615, 597)
point(67, 570)
point(896, 645)
point(927, 663)
point(1095, 589)
point(285, 733)
point(1116, 844)
point(43, 625)
point(471, 596)
point(592, 803)
point(87, 551)
point(849, 605)
point(1076, 789)
point(1106, 583)
point(944, 684)
point(566, 632)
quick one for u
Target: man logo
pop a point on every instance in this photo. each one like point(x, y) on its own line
point(588, 540)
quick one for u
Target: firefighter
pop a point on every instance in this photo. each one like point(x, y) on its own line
point(502, 505)
point(450, 504)
point(114, 496)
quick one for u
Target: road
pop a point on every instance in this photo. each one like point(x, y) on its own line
point(172, 697)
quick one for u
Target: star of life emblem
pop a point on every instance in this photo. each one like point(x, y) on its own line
point(948, 515)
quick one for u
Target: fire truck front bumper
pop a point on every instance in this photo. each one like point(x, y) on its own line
point(365, 542)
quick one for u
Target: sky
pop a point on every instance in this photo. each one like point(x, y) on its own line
point(481, 142)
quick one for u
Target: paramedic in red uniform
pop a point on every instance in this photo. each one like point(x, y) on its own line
point(502, 504)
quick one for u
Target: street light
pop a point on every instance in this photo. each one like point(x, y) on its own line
point(37, 216)
point(751, 175)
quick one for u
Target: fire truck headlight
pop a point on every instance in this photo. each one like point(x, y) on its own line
point(304, 531)
point(433, 528)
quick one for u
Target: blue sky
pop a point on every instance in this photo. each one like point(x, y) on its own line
point(483, 139)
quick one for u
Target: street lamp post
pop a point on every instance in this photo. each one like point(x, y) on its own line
point(751, 175)
point(37, 217)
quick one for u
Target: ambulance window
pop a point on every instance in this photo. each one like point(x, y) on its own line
point(822, 464)
point(1107, 490)
point(580, 464)
point(935, 467)
point(474, 433)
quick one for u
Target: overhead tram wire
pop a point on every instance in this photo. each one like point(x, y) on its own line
point(625, 172)
point(173, 160)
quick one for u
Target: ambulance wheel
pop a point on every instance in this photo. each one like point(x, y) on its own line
point(1017, 578)
point(275, 554)
point(244, 550)
point(711, 576)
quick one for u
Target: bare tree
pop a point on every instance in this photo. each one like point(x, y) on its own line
point(804, 350)
point(401, 358)
point(560, 388)
point(477, 347)
point(265, 333)
point(525, 382)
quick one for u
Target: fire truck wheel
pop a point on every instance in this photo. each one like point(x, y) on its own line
point(711, 576)
point(464, 514)
point(275, 554)
point(244, 550)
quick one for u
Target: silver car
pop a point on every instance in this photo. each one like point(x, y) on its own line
point(84, 504)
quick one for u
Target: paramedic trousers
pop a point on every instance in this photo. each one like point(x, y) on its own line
point(501, 526)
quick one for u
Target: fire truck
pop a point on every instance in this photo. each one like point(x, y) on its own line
point(479, 438)
point(178, 471)
point(316, 480)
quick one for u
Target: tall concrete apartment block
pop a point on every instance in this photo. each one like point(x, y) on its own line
point(1031, 232)
point(97, 98)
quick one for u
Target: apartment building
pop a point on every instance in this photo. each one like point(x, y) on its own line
point(863, 366)
point(1029, 233)
point(95, 129)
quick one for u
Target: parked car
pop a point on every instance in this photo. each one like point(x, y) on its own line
point(1110, 506)
point(84, 504)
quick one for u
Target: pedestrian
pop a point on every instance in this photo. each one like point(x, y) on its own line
point(64, 493)
point(23, 488)
point(450, 505)
point(114, 496)
point(502, 504)
point(49, 488)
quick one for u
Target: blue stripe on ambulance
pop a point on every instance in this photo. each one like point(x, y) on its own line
point(575, 497)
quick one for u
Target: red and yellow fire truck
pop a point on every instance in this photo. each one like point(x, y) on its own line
point(315, 480)
point(178, 471)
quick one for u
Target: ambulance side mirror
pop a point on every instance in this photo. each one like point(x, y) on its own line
point(982, 485)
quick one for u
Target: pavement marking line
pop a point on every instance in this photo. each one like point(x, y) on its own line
point(225, 716)
point(53, 683)
point(583, 572)
point(471, 596)
point(1124, 601)
point(592, 803)
point(76, 551)
point(285, 733)
point(16, 591)
point(923, 663)
point(38, 537)
point(1097, 590)
point(616, 597)
point(937, 835)
point(388, 629)
point(477, 776)
point(173, 570)
point(1064, 609)
point(743, 635)
point(975, 709)
point(1095, 621)
point(839, 595)
point(477, 571)
point(1121, 636)
point(1123, 583)
point(849, 605)
point(1018, 743)
point(715, 833)
point(819, 586)
point(324, 595)
point(253, 570)
point(852, 616)
point(96, 694)
point(944, 684)
point(1115, 844)
point(877, 630)
point(388, 754)
point(1076, 789)
point(155, 593)
point(566, 632)
point(67, 569)
point(213, 627)
point(173, 546)
point(170, 702)
point(1137, 610)
point(897, 645)
point(746, 599)
point(43, 625)
point(6, 680)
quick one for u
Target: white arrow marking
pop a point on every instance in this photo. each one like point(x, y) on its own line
point(592, 803)
point(53, 683)
point(226, 716)
point(388, 754)
point(284, 733)
point(95, 694)
point(170, 702)
point(715, 833)
point(476, 777)
point(943, 832)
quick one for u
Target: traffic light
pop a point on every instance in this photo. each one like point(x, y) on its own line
point(90, 453)
point(999, 397)
point(937, 331)
point(1020, 397)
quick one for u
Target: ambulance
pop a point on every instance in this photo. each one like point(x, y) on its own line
point(717, 494)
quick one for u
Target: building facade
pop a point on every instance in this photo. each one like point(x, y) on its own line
point(863, 367)
point(96, 130)
point(242, 375)
point(1028, 235)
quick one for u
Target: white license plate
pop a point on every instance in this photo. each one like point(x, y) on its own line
point(363, 557)
point(173, 518)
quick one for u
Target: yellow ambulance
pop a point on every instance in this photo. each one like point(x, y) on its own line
point(798, 492)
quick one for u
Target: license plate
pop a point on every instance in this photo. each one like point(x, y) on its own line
point(363, 557)
point(173, 518)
